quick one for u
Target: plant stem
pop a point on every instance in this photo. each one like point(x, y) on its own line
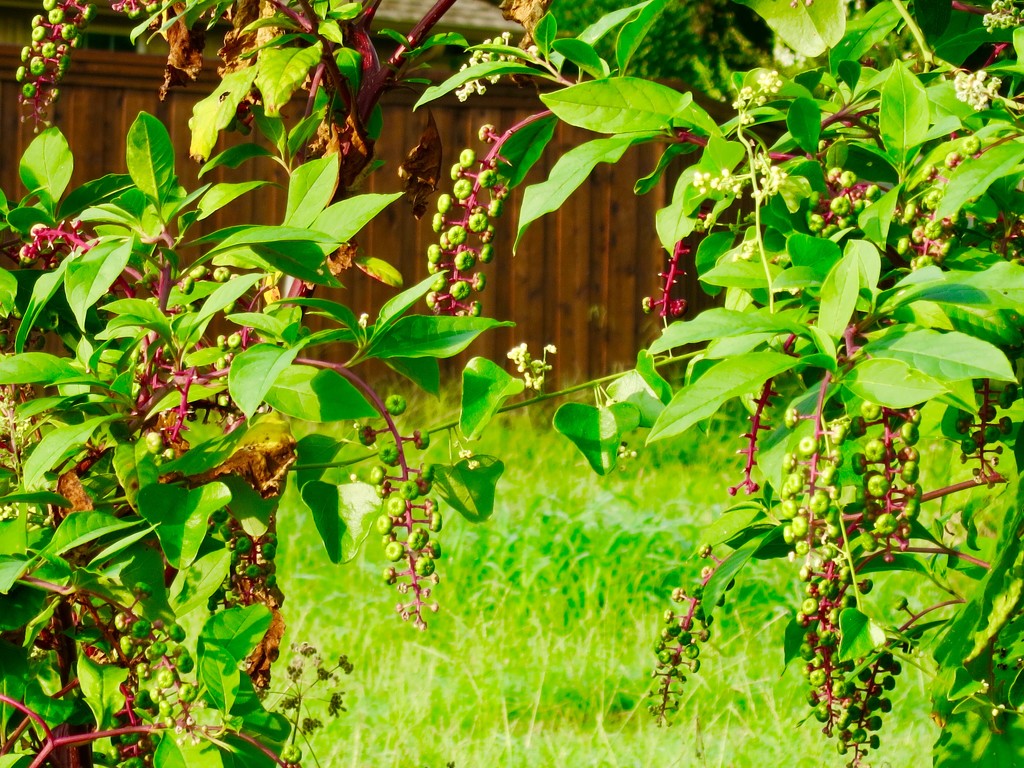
point(961, 486)
point(915, 30)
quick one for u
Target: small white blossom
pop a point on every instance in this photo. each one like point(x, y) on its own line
point(976, 88)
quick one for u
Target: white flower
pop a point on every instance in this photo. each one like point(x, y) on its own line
point(976, 88)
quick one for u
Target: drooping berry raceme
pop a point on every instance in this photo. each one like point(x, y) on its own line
point(664, 305)
point(54, 34)
point(759, 423)
point(463, 221)
point(409, 516)
point(841, 203)
point(986, 427)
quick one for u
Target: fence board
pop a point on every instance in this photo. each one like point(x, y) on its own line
point(576, 282)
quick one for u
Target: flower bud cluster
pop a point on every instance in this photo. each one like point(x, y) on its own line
point(46, 60)
point(976, 88)
point(534, 371)
point(980, 430)
point(484, 57)
point(769, 83)
point(463, 221)
point(1005, 14)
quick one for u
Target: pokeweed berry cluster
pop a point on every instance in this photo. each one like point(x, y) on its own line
point(677, 647)
point(409, 515)
point(979, 431)
point(463, 220)
point(46, 60)
point(664, 305)
point(252, 577)
point(837, 208)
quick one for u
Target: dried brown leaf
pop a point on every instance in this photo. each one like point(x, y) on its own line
point(264, 655)
point(525, 12)
point(422, 168)
point(342, 258)
point(263, 465)
point(70, 487)
point(185, 59)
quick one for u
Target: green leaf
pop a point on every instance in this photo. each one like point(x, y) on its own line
point(343, 220)
point(424, 372)
point(839, 296)
point(56, 446)
point(859, 635)
point(150, 157)
point(597, 432)
point(213, 114)
point(469, 485)
point(44, 289)
point(520, 152)
point(876, 218)
point(621, 105)
point(181, 516)
point(36, 368)
point(342, 514)
point(224, 296)
point(903, 113)
point(609, 21)
point(891, 383)
point(232, 157)
point(429, 336)
point(89, 277)
point(569, 172)
point(317, 394)
point(186, 754)
point(101, 687)
point(725, 380)
point(46, 166)
point(81, 528)
point(943, 356)
point(974, 177)
point(583, 55)
point(281, 70)
point(218, 671)
point(485, 387)
point(632, 387)
point(804, 123)
point(194, 585)
point(634, 32)
point(863, 33)
point(224, 193)
point(733, 521)
point(237, 630)
point(475, 72)
point(807, 29)
point(379, 270)
point(727, 570)
point(310, 189)
point(254, 372)
point(972, 738)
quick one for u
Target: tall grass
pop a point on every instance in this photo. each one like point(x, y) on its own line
point(541, 652)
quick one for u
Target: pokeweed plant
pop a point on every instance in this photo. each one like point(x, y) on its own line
point(152, 372)
point(860, 220)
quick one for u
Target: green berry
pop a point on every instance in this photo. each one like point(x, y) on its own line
point(394, 551)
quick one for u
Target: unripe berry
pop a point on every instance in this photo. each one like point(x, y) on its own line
point(394, 551)
point(395, 405)
point(467, 158)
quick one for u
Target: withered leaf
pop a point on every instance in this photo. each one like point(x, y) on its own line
point(237, 45)
point(70, 487)
point(342, 258)
point(525, 12)
point(263, 465)
point(185, 59)
point(422, 168)
point(265, 654)
point(356, 153)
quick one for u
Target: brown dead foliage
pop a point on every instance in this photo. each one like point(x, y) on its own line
point(422, 168)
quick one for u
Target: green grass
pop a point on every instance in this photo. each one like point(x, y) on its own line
point(541, 652)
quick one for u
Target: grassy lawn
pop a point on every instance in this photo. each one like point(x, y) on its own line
point(541, 652)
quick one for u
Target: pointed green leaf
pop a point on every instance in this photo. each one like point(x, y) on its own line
point(468, 486)
point(46, 166)
point(281, 70)
point(725, 380)
point(944, 356)
point(597, 432)
point(903, 114)
point(101, 687)
point(808, 28)
point(181, 516)
point(342, 514)
point(89, 277)
point(344, 219)
point(310, 189)
point(194, 585)
point(254, 372)
point(859, 635)
point(485, 387)
point(150, 157)
point(317, 394)
point(892, 383)
point(56, 446)
point(622, 105)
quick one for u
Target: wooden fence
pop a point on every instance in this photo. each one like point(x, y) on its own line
point(576, 282)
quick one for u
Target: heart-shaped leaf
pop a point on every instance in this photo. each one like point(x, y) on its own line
point(597, 432)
